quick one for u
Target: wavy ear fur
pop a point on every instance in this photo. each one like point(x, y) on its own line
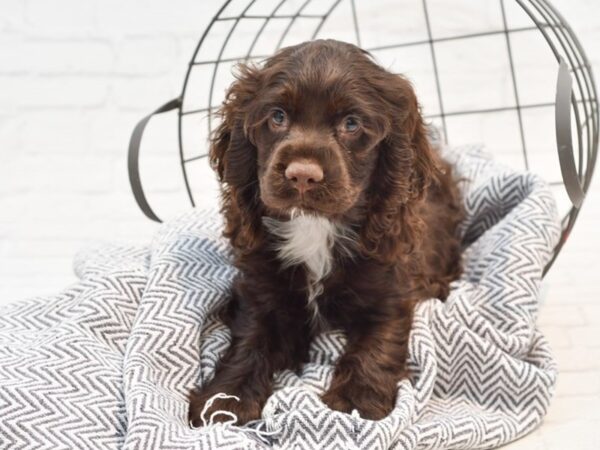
point(234, 158)
point(406, 166)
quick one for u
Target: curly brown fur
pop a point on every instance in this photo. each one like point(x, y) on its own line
point(383, 184)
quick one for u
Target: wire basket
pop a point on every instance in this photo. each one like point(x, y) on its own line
point(510, 74)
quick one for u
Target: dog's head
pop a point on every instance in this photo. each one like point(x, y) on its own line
point(321, 128)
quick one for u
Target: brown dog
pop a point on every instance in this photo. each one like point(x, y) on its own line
point(340, 214)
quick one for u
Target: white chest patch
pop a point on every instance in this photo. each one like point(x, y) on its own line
point(309, 240)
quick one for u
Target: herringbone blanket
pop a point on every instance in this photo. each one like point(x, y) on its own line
point(109, 361)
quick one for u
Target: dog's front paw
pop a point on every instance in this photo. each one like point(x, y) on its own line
point(208, 406)
point(371, 403)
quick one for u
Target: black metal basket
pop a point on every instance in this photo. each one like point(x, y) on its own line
point(248, 30)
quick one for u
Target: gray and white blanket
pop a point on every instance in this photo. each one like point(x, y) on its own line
point(108, 362)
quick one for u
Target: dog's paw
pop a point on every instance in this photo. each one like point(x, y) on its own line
point(370, 403)
point(210, 406)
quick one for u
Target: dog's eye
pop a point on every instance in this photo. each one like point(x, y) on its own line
point(351, 124)
point(278, 117)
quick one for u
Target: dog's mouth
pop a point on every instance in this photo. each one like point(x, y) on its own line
point(330, 200)
point(287, 207)
point(292, 210)
point(306, 205)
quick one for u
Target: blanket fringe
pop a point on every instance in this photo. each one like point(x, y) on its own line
point(262, 434)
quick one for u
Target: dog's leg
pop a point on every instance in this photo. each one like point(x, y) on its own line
point(367, 374)
point(263, 342)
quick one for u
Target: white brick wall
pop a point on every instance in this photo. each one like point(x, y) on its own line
point(76, 76)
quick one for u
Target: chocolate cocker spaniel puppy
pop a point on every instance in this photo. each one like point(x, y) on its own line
point(341, 215)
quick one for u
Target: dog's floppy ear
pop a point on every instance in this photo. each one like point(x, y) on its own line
point(406, 166)
point(234, 158)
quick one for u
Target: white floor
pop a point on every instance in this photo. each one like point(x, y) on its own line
point(570, 317)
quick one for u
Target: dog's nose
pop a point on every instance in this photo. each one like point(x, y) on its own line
point(304, 174)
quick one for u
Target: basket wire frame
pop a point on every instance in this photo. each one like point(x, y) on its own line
point(544, 17)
